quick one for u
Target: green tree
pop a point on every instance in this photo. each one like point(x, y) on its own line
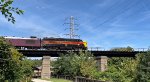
point(13, 66)
point(120, 69)
point(9, 61)
point(37, 62)
point(73, 64)
point(26, 69)
point(128, 48)
point(88, 66)
point(7, 10)
point(67, 65)
point(143, 68)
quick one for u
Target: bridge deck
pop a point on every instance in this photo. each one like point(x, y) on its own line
point(56, 53)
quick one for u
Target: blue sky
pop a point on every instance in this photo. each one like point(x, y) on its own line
point(102, 23)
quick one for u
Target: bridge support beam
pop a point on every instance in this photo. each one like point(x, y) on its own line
point(45, 73)
point(102, 62)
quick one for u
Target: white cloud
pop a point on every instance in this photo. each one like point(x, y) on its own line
point(33, 26)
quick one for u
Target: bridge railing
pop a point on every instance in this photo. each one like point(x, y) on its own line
point(141, 49)
point(103, 49)
point(91, 49)
point(97, 49)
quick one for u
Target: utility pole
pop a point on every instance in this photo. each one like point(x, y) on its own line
point(72, 34)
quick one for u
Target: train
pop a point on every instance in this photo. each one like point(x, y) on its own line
point(48, 43)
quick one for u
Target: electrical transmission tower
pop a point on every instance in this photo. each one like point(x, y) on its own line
point(72, 34)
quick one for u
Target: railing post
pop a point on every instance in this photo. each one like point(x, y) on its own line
point(76, 79)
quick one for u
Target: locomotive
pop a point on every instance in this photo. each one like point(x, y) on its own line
point(47, 43)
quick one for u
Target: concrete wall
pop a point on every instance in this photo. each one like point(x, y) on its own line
point(46, 67)
point(102, 62)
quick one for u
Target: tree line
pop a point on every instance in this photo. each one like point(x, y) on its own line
point(14, 67)
point(120, 69)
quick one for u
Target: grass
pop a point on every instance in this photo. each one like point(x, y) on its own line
point(57, 80)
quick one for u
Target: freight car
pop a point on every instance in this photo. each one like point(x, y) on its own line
point(47, 43)
point(24, 43)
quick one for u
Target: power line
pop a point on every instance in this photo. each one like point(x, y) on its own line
point(121, 12)
point(128, 6)
point(114, 12)
point(107, 11)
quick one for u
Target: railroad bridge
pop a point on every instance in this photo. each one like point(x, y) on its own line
point(101, 56)
point(56, 53)
point(36, 47)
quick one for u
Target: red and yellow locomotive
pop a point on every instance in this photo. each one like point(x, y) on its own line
point(63, 43)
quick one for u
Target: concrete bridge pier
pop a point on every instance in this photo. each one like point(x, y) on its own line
point(45, 73)
point(102, 62)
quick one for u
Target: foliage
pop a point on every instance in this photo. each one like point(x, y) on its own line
point(73, 64)
point(129, 49)
point(36, 62)
point(13, 66)
point(89, 69)
point(7, 10)
point(121, 69)
point(143, 68)
point(112, 75)
point(27, 71)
